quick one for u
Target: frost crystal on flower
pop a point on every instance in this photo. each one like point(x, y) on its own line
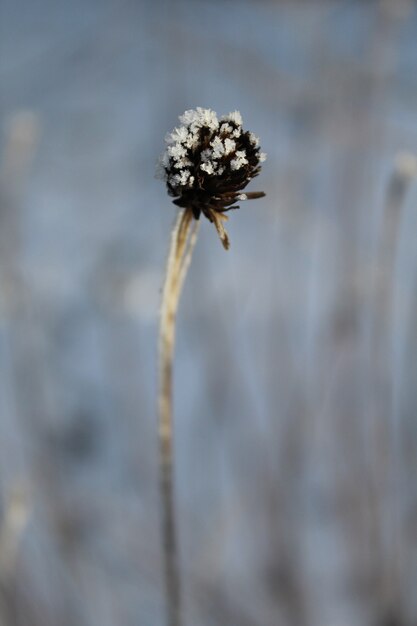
point(229, 145)
point(207, 167)
point(254, 139)
point(235, 117)
point(218, 147)
point(208, 161)
point(239, 161)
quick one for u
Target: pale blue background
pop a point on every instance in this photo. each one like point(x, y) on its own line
point(295, 379)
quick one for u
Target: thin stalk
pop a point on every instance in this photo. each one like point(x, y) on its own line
point(218, 219)
point(183, 239)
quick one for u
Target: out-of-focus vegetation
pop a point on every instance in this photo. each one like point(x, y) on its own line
point(296, 362)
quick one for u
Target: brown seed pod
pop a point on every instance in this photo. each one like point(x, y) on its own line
point(208, 162)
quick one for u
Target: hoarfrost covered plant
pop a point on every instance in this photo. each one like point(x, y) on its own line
point(206, 165)
point(208, 162)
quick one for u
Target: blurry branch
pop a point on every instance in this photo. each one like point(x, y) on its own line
point(405, 170)
point(22, 137)
point(22, 131)
point(12, 526)
point(385, 458)
point(22, 134)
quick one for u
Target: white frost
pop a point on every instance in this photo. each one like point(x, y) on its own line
point(240, 160)
point(178, 135)
point(198, 118)
point(226, 128)
point(229, 146)
point(234, 116)
point(175, 162)
point(207, 167)
point(206, 155)
point(218, 147)
point(184, 162)
point(177, 151)
point(181, 178)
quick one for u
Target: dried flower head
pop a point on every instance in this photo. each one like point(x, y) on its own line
point(208, 162)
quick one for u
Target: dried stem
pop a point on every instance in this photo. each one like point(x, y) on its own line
point(183, 239)
point(218, 219)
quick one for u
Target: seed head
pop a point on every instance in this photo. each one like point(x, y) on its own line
point(207, 163)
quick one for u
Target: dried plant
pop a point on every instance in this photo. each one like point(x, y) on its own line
point(206, 165)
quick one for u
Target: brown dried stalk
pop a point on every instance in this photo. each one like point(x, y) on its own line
point(206, 165)
point(183, 239)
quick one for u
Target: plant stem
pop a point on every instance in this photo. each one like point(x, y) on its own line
point(183, 239)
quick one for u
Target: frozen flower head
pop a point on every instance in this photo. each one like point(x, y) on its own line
point(209, 161)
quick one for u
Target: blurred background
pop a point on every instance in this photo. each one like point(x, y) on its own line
point(296, 359)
